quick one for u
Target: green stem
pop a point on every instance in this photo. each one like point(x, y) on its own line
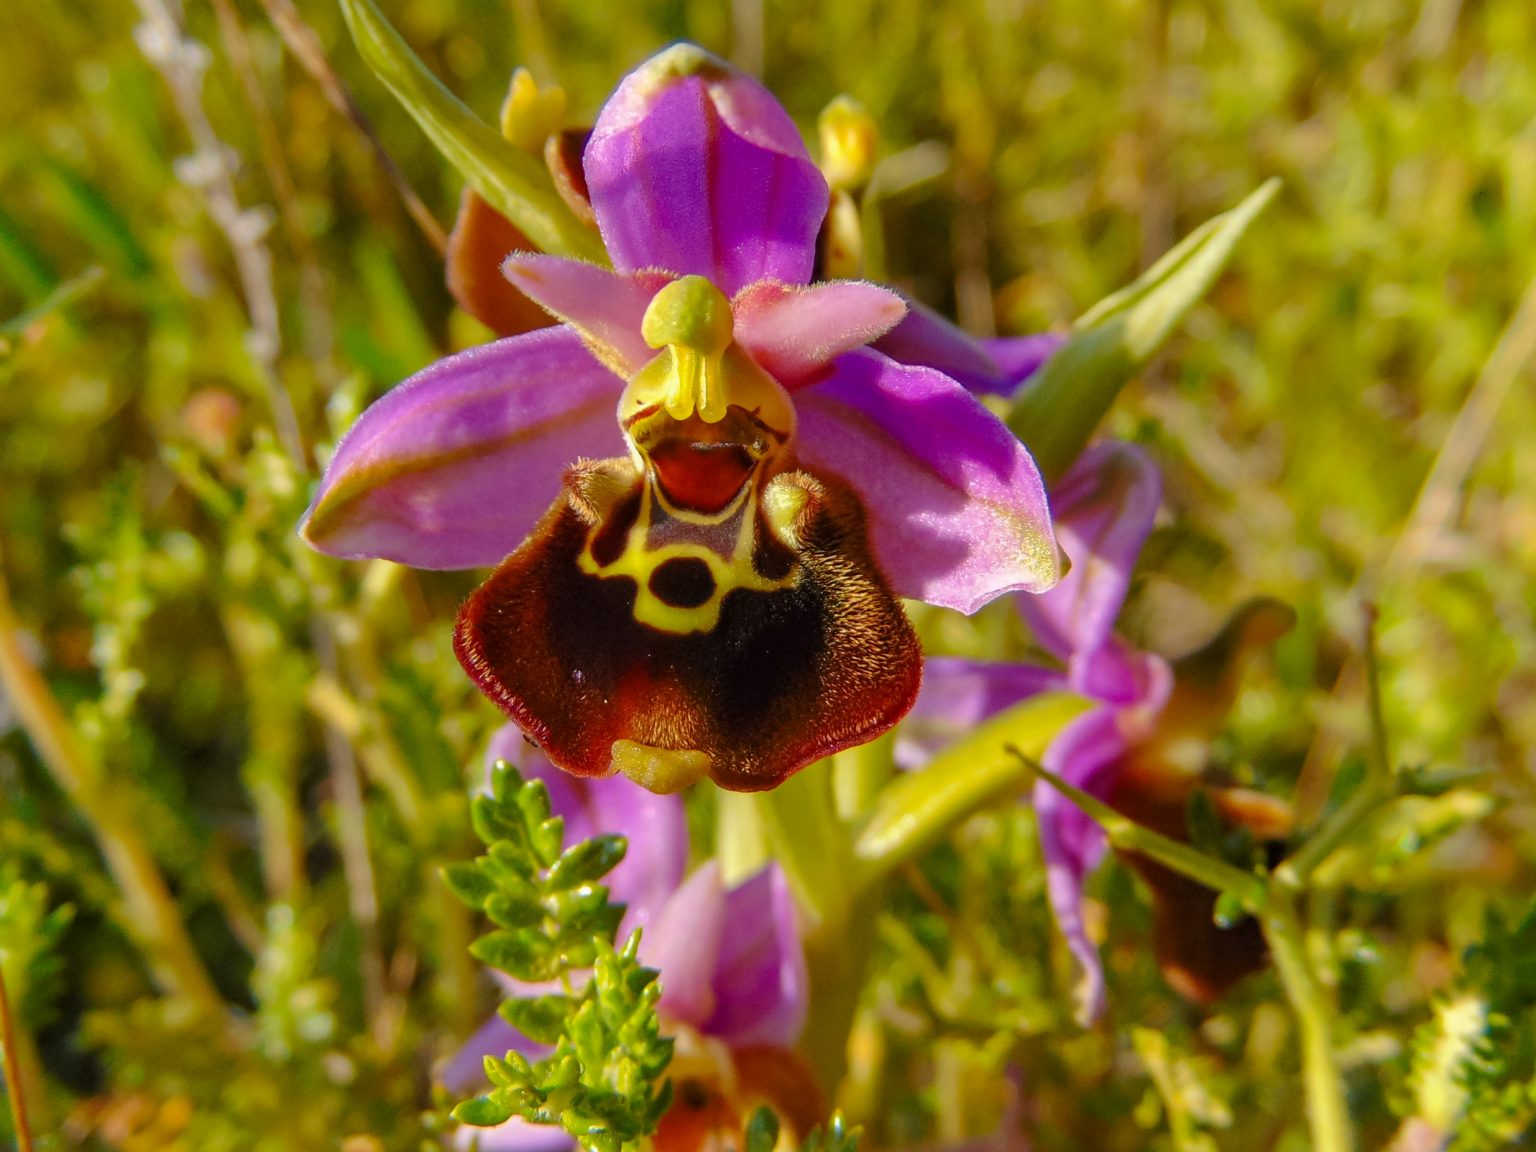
point(1327, 1111)
point(860, 774)
point(1128, 836)
point(809, 843)
point(740, 846)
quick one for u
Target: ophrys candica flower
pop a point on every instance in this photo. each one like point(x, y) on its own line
point(713, 590)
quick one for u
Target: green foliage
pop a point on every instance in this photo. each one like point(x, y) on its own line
point(1473, 1064)
point(603, 1081)
point(30, 932)
point(1045, 155)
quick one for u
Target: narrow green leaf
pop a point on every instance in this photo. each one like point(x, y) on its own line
point(469, 883)
point(1057, 413)
point(918, 809)
point(61, 297)
point(512, 181)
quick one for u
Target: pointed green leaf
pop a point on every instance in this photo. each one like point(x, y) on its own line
point(917, 809)
point(483, 1112)
point(468, 881)
point(1055, 415)
point(512, 181)
point(585, 862)
point(540, 1018)
point(762, 1131)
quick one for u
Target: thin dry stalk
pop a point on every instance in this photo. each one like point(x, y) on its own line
point(308, 51)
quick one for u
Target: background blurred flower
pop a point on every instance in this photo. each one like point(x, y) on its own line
point(1133, 748)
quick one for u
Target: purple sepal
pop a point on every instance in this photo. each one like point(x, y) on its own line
point(1104, 507)
point(957, 512)
point(453, 467)
point(693, 168)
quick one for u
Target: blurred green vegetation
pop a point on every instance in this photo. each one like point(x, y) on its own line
point(1303, 418)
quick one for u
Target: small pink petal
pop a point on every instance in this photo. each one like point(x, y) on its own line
point(762, 988)
point(957, 513)
point(607, 308)
point(684, 945)
point(795, 332)
point(452, 468)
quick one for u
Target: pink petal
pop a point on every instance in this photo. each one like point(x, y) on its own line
point(693, 168)
point(605, 307)
point(1104, 506)
point(762, 988)
point(957, 513)
point(684, 944)
point(795, 332)
point(1020, 357)
point(926, 339)
point(453, 467)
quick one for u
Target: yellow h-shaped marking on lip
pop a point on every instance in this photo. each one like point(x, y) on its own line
point(691, 318)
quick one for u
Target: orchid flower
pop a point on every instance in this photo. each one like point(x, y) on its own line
point(748, 482)
point(734, 986)
point(1133, 748)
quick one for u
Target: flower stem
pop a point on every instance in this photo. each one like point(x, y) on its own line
point(1327, 1111)
point(809, 842)
point(17, 1070)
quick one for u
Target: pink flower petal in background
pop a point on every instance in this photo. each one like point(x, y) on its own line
point(1104, 507)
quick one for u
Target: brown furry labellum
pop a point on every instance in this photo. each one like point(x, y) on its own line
point(703, 609)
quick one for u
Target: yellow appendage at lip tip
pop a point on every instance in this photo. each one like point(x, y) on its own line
point(660, 770)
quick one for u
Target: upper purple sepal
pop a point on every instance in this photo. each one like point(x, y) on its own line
point(695, 169)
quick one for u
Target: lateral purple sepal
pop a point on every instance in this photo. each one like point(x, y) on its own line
point(453, 467)
point(957, 512)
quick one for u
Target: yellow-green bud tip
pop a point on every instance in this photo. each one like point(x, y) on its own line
point(531, 114)
point(849, 140)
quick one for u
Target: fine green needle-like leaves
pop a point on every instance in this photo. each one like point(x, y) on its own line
point(1110, 342)
point(603, 1083)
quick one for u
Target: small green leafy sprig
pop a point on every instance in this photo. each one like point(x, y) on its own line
point(1473, 1064)
point(603, 1081)
point(762, 1134)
